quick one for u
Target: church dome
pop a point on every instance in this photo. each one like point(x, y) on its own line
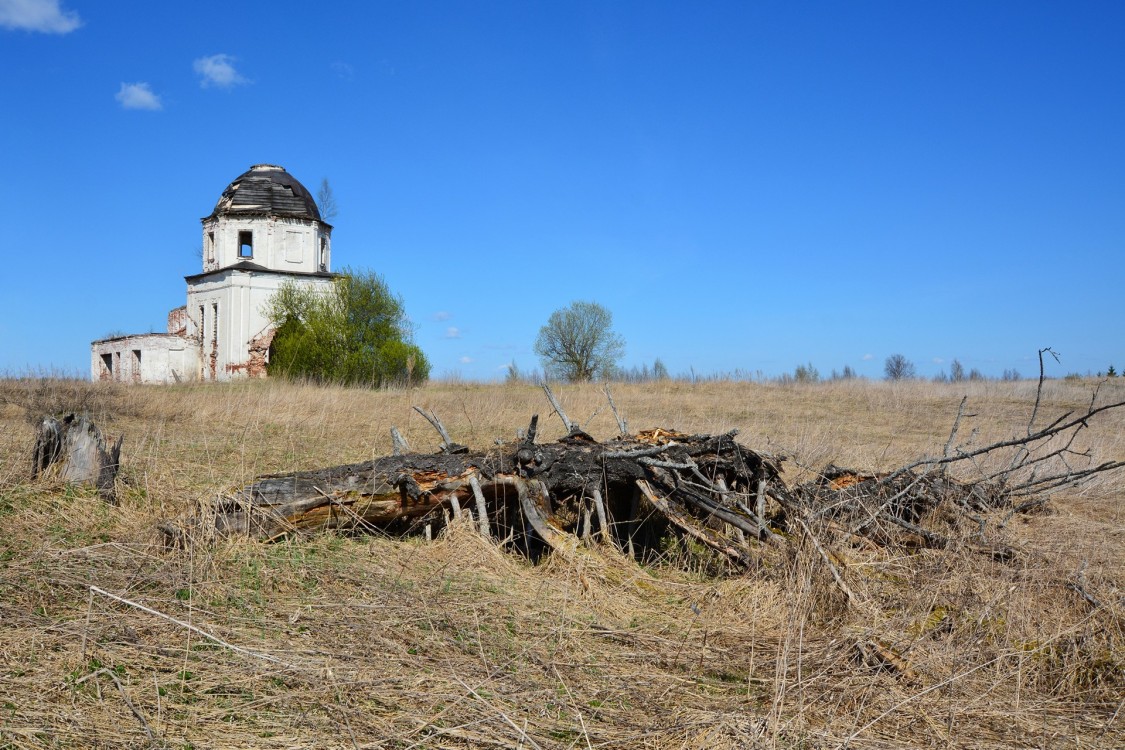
point(267, 190)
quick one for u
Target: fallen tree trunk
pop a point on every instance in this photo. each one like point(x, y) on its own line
point(528, 493)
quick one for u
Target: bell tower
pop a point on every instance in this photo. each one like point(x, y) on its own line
point(267, 218)
point(265, 230)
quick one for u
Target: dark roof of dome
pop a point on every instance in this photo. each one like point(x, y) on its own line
point(267, 189)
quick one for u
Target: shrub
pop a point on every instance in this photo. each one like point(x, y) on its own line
point(354, 333)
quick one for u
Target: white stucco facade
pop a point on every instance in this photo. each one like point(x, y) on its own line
point(265, 230)
point(144, 358)
point(226, 313)
point(283, 244)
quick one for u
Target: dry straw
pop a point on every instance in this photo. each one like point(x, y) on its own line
point(109, 640)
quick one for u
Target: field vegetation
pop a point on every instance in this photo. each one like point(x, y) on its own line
point(108, 639)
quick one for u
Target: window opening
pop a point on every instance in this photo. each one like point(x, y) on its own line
point(245, 244)
point(323, 254)
point(107, 362)
point(214, 338)
point(210, 247)
point(202, 338)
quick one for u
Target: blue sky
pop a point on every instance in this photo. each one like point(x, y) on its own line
point(745, 185)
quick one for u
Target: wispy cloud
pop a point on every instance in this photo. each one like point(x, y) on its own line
point(938, 360)
point(137, 96)
point(453, 332)
point(218, 70)
point(442, 315)
point(38, 15)
point(343, 70)
point(868, 357)
point(466, 360)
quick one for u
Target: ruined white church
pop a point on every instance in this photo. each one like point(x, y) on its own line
point(266, 229)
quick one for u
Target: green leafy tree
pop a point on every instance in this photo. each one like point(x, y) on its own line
point(355, 332)
point(578, 343)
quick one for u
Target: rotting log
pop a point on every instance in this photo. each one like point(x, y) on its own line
point(72, 448)
point(534, 495)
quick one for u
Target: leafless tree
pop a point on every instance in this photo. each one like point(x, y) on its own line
point(898, 367)
point(956, 371)
point(578, 343)
point(326, 201)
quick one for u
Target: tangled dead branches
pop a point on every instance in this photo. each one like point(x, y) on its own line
point(637, 489)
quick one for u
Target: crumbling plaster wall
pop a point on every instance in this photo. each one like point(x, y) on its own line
point(145, 358)
point(280, 243)
point(237, 300)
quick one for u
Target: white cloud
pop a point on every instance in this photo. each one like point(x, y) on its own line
point(137, 96)
point(38, 15)
point(465, 360)
point(453, 332)
point(343, 70)
point(938, 360)
point(218, 70)
point(442, 315)
point(868, 357)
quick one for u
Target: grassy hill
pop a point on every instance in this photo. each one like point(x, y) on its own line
point(379, 642)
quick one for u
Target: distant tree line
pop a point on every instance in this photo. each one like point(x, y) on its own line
point(895, 368)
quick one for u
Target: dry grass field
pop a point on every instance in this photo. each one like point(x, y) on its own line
point(376, 642)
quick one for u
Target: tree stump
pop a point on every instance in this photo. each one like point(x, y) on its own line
point(72, 448)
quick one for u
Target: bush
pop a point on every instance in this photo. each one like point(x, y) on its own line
point(806, 374)
point(354, 333)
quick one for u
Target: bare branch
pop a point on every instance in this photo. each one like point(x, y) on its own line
point(570, 426)
point(956, 424)
point(827, 561)
point(399, 445)
point(1056, 427)
point(622, 425)
point(1039, 388)
point(447, 444)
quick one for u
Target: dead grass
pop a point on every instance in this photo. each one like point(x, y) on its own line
point(375, 642)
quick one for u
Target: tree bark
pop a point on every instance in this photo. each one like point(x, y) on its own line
point(72, 448)
point(525, 489)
